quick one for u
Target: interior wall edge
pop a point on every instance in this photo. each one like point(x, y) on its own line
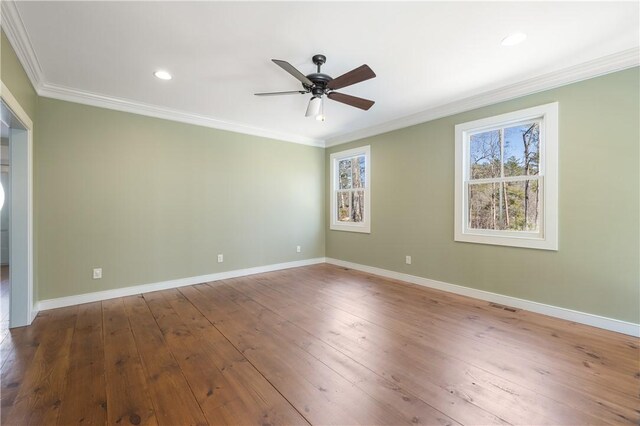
point(16, 33)
point(585, 318)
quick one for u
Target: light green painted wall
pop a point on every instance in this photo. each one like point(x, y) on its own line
point(596, 268)
point(13, 76)
point(151, 200)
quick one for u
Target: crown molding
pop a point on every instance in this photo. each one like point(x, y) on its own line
point(63, 93)
point(601, 66)
point(14, 28)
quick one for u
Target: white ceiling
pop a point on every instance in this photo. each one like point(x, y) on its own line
point(425, 54)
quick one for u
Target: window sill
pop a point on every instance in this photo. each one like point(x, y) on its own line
point(363, 229)
point(508, 241)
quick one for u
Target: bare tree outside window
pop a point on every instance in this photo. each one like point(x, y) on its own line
point(504, 185)
point(351, 179)
point(344, 207)
point(350, 203)
point(506, 179)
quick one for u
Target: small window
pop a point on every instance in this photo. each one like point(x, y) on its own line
point(350, 190)
point(506, 179)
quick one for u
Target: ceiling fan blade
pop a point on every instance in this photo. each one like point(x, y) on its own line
point(354, 76)
point(293, 71)
point(353, 101)
point(293, 92)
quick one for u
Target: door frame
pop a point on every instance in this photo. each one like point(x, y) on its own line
point(22, 307)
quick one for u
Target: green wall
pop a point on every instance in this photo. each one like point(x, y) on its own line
point(13, 76)
point(596, 268)
point(151, 200)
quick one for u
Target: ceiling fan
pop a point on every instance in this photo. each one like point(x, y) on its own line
point(319, 84)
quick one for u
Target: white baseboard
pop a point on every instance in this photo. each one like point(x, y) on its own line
point(554, 311)
point(34, 312)
point(61, 302)
point(540, 308)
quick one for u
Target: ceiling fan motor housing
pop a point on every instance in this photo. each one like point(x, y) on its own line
point(319, 79)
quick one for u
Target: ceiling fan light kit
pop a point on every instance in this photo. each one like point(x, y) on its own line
point(319, 85)
point(320, 116)
point(314, 107)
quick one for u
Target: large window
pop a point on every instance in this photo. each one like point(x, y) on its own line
point(506, 179)
point(350, 190)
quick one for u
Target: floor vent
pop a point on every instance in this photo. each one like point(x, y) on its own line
point(505, 308)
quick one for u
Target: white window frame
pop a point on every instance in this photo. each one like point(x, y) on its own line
point(547, 237)
point(334, 158)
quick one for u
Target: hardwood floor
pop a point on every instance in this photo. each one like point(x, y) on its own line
point(5, 290)
point(319, 345)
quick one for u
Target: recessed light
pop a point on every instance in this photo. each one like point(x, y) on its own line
point(513, 39)
point(162, 75)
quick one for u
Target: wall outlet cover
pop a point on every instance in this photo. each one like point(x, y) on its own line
point(97, 273)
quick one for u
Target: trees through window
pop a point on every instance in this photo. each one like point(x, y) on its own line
point(506, 179)
point(504, 182)
point(350, 190)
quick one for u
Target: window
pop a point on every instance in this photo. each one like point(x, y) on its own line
point(506, 189)
point(350, 190)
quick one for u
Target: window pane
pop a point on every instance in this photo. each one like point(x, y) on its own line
point(522, 149)
point(484, 206)
point(511, 206)
point(357, 211)
point(344, 170)
point(344, 199)
point(358, 169)
point(522, 209)
point(484, 151)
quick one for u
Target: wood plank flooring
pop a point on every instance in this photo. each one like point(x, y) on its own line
point(313, 345)
point(5, 291)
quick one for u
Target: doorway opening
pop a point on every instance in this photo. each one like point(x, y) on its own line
point(5, 207)
point(16, 215)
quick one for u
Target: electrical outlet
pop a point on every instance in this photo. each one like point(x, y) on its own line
point(97, 273)
point(220, 258)
point(298, 249)
point(407, 260)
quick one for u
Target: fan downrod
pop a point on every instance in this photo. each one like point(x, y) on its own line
point(319, 60)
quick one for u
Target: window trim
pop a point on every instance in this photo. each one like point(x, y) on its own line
point(547, 238)
point(335, 225)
